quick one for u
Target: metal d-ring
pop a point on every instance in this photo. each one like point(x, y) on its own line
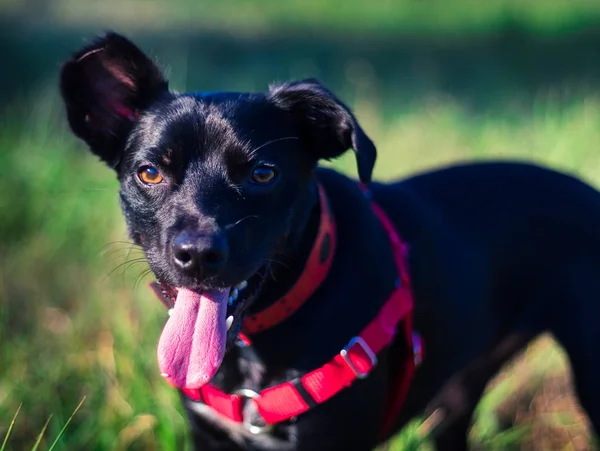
point(246, 393)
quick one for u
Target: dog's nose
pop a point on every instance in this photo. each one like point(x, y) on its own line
point(194, 252)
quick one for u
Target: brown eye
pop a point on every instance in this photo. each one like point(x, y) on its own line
point(149, 175)
point(263, 175)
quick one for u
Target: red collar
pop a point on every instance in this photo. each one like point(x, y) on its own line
point(355, 361)
point(314, 273)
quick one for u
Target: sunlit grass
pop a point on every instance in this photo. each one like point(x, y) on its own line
point(10, 428)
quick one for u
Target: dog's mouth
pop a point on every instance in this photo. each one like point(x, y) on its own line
point(202, 325)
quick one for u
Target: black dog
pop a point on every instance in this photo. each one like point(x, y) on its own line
point(221, 190)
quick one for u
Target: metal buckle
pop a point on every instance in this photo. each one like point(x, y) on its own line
point(368, 351)
point(246, 393)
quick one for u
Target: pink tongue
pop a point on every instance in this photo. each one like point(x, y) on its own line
point(192, 343)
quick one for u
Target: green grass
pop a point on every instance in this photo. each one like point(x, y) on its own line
point(72, 326)
point(260, 17)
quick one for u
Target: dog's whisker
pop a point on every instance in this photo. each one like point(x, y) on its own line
point(253, 152)
point(133, 263)
point(231, 226)
point(129, 253)
point(119, 246)
point(138, 279)
point(127, 264)
point(121, 249)
point(122, 253)
point(121, 242)
point(279, 262)
point(272, 273)
point(114, 243)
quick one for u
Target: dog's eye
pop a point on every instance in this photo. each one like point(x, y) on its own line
point(263, 175)
point(149, 175)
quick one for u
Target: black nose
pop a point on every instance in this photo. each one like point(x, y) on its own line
point(197, 253)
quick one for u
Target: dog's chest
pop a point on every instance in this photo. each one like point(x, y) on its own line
point(243, 370)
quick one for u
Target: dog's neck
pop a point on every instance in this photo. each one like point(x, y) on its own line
point(289, 262)
point(353, 291)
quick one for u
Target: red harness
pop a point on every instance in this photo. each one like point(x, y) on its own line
point(282, 402)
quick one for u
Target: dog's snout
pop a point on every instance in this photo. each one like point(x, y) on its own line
point(197, 253)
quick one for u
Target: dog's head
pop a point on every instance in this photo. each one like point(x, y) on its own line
point(213, 185)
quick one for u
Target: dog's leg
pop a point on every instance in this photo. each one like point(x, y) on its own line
point(449, 413)
point(586, 370)
point(575, 326)
point(585, 363)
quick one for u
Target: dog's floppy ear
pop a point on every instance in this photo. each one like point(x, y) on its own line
point(105, 86)
point(325, 123)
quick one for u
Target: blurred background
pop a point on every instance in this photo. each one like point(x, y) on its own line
point(432, 81)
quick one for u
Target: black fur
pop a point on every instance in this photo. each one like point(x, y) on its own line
point(499, 252)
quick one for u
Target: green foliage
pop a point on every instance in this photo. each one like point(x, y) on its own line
point(261, 17)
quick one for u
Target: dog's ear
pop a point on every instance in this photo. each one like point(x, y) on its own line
point(325, 123)
point(105, 86)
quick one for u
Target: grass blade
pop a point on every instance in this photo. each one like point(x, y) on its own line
point(64, 428)
point(10, 428)
point(39, 439)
